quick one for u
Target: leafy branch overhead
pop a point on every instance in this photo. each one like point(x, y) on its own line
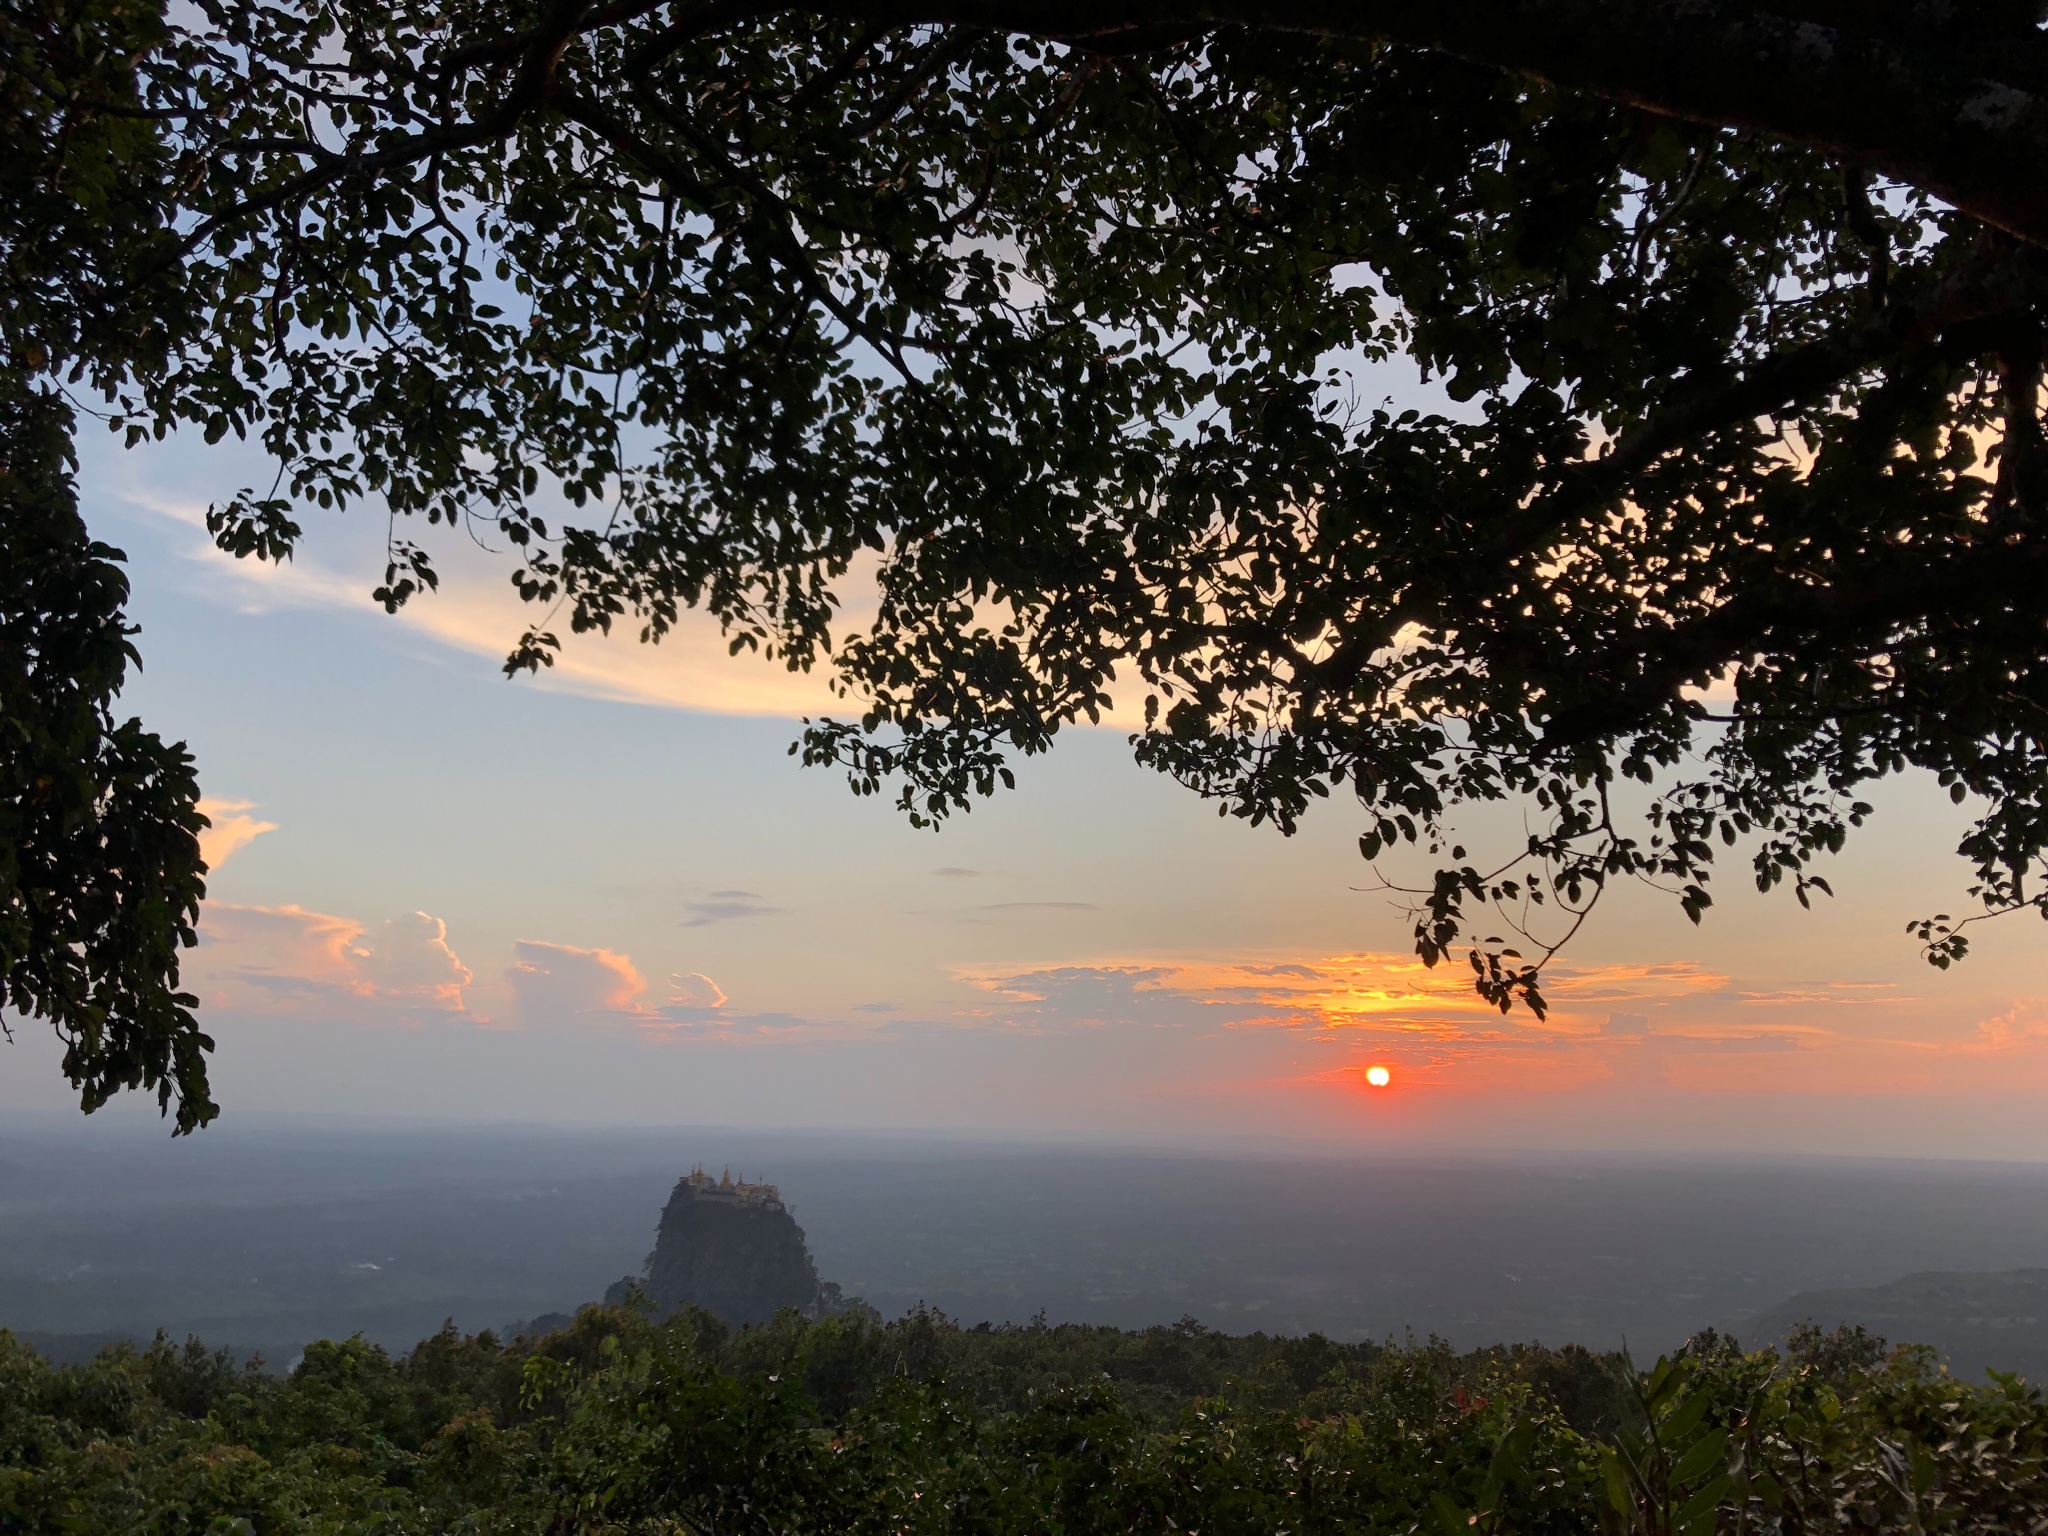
point(1060, 318)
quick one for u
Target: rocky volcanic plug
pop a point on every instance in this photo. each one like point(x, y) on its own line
point(733, 1249)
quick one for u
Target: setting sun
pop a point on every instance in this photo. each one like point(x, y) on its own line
point(1379, 1077)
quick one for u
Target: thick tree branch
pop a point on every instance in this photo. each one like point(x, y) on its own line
point(1855, 614)
point(540, 53)
point(1998, 282)
point(1927, 116)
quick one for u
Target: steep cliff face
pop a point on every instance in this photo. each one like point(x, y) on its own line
point(732, 1249)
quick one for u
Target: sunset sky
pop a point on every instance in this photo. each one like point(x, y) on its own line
point(611, 896)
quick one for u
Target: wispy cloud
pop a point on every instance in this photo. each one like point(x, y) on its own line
point(1678, 1025)
point(695, 990)
point(1388, 997)
point(475, 611)
point(727, 907)
point(1040, 906)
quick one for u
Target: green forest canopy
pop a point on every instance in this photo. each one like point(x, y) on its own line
point(847, 1426)
point(1056, 311)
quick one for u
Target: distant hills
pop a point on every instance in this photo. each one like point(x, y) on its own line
point(1997, 1320)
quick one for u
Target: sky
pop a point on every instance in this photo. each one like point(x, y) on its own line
point(610, 896)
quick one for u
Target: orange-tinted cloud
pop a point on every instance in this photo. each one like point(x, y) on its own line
point(1635, 1028)
point(558, 984)
point(233, 829)
point(2022, 1028)
point(1337, 992)
point(291, 961)
point(695, 990)
point(476, 611)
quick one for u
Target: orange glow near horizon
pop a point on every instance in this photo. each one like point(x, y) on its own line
point(1379, 1077)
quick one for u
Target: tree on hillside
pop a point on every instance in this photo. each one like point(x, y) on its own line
point(1056, 314)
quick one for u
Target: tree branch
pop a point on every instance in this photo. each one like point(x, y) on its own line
point(2002, 282)
point(1857, 613)
point(1927, 115)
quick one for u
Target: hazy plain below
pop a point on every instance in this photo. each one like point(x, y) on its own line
point(263, 1238)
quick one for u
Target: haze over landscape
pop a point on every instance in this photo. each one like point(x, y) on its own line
point(264, 1239)
point(608, 907)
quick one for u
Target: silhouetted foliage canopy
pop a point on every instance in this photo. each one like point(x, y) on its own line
point(1053, 321)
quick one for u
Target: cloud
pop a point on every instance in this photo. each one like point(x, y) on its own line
point(1739, 1045)
point(695, 990)
point(1094, 995)
point(409, 956)
point(290, 961)
point(1041, 906)
point(233, 829)
point(1631, 983)
point(1427, 1022)
point(1330, 994)
point(727, 907)
point(476, 611)
point(558, 983)
point(1833, 994)
point(1675, 1009)
point(724, 1027)
point(955, 872)
point(2024, 1026)
point(694, 999)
